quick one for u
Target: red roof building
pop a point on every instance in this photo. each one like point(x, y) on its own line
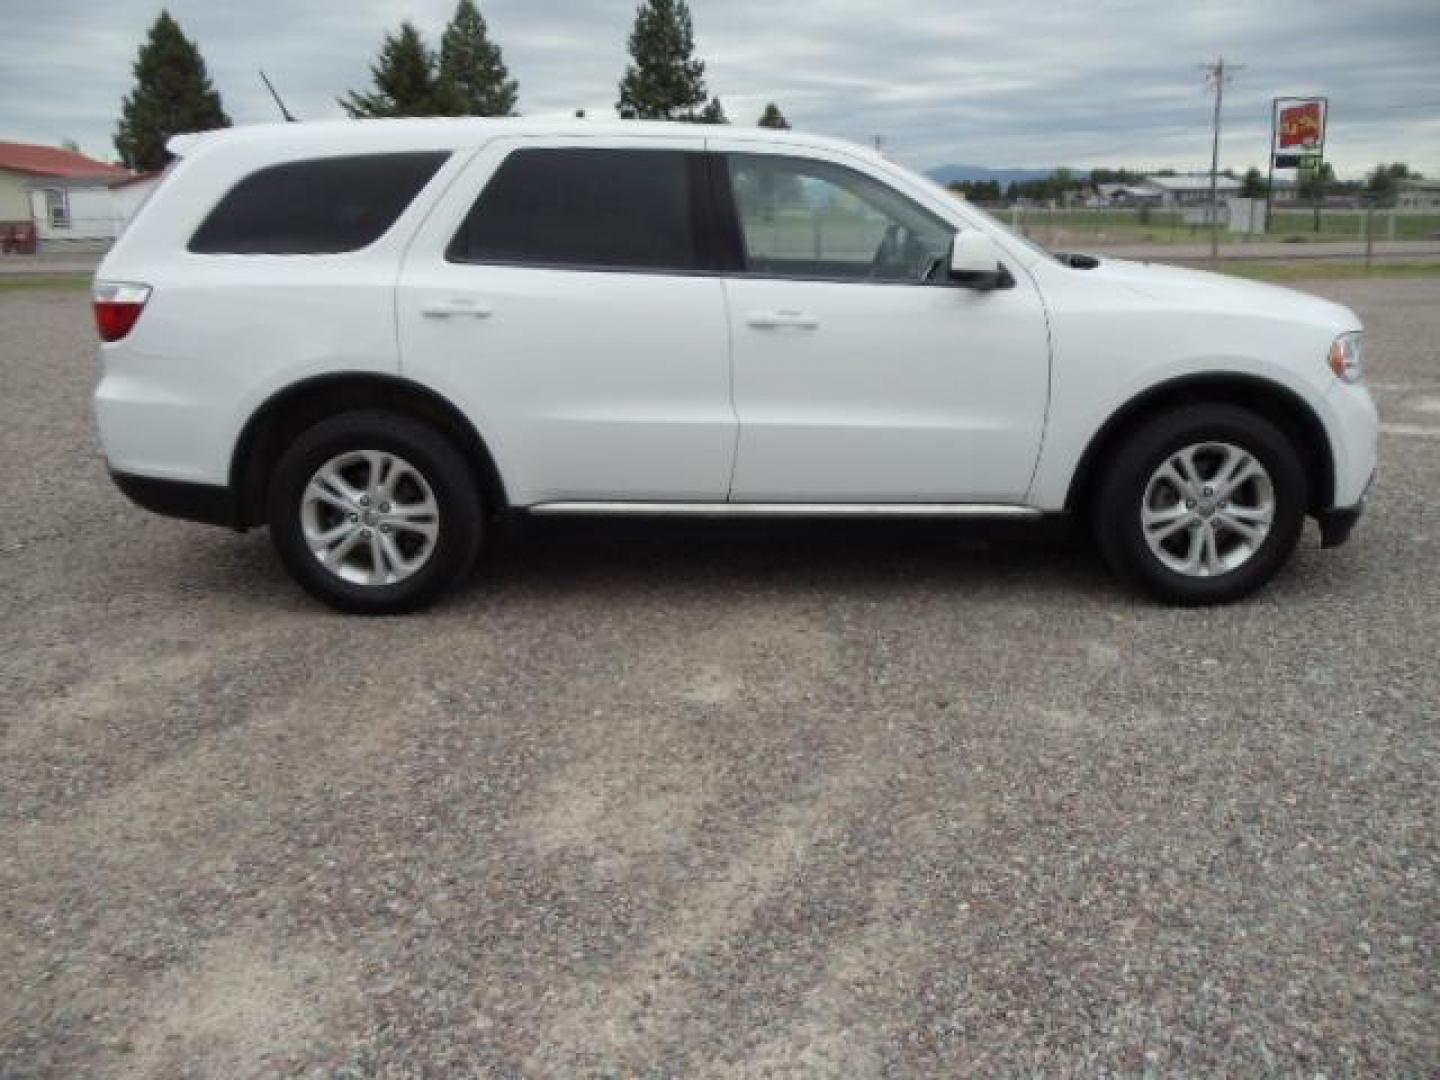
point(22, 164)
point(40, 161)
point(51, 194)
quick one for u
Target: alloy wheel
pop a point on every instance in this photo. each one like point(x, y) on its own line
point(370, 517)
point(1207, 509)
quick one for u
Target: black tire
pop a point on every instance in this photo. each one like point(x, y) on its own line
point(1116, 510)
point(456, 492)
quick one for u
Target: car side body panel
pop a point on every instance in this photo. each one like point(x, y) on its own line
point(1118, 335)
point(222, 334)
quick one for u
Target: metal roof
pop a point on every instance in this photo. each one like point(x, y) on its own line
point(1193, 182)
point(52, 161)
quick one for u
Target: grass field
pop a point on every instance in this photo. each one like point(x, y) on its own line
point(26, 282)
point(1324, 270)
point(1168, 226)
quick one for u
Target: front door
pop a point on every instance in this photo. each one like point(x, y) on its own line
point(861, 373)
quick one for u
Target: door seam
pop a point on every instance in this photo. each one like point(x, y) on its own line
point(730, 381)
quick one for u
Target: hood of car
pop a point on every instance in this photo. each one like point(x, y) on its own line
point(1220, 292)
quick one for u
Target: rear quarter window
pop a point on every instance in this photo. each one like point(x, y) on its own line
point(321, 206)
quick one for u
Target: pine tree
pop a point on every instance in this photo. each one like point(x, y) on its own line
point(471, 65)
point(772, 117)
point(663, 81)
point(406, 82)
point(714, 113)
point(172, 95)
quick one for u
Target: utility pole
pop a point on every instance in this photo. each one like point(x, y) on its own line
point(1217, 73)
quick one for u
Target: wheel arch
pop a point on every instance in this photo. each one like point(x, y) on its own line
point(1275, 402)
point(291, 410)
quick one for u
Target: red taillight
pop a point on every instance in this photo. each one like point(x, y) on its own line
point(117, 307)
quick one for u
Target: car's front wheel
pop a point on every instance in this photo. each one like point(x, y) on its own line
point(1201, 505)
point(374, 512)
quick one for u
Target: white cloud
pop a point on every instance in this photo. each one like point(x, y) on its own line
point(980, 82)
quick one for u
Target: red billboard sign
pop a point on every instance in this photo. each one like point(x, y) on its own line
point(1301, 126)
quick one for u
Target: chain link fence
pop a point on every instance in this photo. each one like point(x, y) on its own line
point(1055, 227)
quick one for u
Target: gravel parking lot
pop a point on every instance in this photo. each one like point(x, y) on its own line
point(762, 801)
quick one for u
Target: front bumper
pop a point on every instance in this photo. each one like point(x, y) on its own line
point(1337, 522)
point(1354, 429)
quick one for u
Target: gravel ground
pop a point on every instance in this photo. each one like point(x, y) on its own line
point(830, 801)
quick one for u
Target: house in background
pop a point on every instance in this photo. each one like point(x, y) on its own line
point(1122, 196)
point(1192, 189)
point(1418, 195)
point(62, 195)
point(129, 193)
point(1284, 190)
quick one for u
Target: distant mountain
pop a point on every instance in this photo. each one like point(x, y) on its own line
point(954, 174)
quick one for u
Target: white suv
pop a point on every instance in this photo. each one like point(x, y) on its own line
point(377, 336)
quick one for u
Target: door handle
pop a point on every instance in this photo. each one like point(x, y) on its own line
point(443, 309)
point(774, 320)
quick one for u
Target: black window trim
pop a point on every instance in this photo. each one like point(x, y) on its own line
point(704, 219)
point(720, 241)
point(445, 156)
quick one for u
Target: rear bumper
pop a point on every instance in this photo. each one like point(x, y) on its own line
point(1336, 524)
point(207, 503)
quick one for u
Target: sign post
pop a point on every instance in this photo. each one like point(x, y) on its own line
point(1297, 138)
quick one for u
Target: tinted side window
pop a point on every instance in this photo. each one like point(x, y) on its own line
point(315, 207)
point(599, 208)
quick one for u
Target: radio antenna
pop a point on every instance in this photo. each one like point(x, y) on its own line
point(278, 103)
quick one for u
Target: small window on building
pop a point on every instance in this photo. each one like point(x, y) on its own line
point(586, 208)
point(57, 208)
point(317, 207)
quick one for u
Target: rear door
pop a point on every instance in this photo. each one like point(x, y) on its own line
point(562, 294)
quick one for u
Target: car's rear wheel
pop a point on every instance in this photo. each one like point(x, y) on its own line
point(1201, 505)
point(374, 512)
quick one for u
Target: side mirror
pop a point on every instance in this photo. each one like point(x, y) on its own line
point(975, 262)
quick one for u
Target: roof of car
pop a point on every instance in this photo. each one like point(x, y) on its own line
point(375, 135)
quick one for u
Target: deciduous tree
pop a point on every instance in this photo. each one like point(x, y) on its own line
point(1383, 182)
point(1313, 185)
point(1253, 185)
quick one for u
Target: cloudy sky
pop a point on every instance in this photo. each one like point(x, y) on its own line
point(1007, 83)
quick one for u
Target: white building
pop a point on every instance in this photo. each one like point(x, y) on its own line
point(1124, 195)
point(1418, 195)
point(85, 213)
point(130, 194)
point(1192, 189)
point(35, 186)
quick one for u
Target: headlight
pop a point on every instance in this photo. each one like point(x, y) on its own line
point(1345, 357)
